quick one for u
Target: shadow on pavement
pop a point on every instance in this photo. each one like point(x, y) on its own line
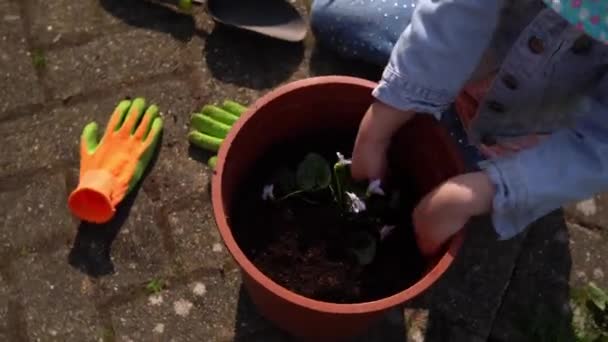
point(153, 16)
point(250, 60)
point(91, 252)
point(251, 326)
point(536, 305)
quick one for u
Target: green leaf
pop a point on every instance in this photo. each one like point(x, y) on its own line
point(341, 173)
point(598, 297)
point(313, 173)
point(363, 247)
point(155, 286)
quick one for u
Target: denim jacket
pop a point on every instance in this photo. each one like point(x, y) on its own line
point(550, 78)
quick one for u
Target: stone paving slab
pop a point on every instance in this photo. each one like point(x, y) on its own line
point(588, 251)
point(536, 304)
point(60, 20)
point(16, 68)
point(470, 292)
point(197, 242)
point(4, 293)
point(592, 213)
point(110, 60)
point(212, 302)
point(91, 283)
point(125, 253)
point(23, 151)
point(34, 215)
point(56, 299)
point(149, 15)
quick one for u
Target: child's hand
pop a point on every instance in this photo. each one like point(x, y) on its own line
point(445, 210)
point(373, 139)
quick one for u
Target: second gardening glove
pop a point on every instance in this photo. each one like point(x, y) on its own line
point(111, 167)
point(210, 127)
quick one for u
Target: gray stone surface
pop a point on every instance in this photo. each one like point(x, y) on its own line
point(212, 301)
point(536, 304)
point(34, 216)
point(56, 299)
point(110, 60)
point(63, 20)
point(4, 293)
point(20, 86)
point(197, 242)
point(470, 292)
point(126, 253)
point(62, 280)
point(23, 149)
point(592, 213)
point(588, 250)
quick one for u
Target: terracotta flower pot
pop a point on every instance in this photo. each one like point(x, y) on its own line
point(301, 107)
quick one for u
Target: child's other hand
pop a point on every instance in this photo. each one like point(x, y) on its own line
point(373, 139)
point(445, 210)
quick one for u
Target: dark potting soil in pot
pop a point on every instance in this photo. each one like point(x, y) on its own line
point(303, 247)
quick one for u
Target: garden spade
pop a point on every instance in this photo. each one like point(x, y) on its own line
point(273, 18)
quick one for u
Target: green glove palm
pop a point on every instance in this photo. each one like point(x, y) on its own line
point(212, 124)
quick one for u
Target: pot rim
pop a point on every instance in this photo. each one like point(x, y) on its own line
point(248, 267)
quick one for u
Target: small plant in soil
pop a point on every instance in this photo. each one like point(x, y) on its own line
point(590, 313)
point(363, 207)
point(155, 286)
point(305, 223)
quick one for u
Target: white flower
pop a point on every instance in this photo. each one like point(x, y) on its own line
point(268, 193)
point(356, 204)
point(385, 231)
point(374, 188)
point(342, 160)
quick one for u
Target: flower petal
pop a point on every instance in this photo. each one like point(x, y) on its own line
point(385, 231)
point(342, 160)
point(268, 193)
point(375, 188)
point(356, 204)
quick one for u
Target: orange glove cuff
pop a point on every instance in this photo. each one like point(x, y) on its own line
point(92, 199)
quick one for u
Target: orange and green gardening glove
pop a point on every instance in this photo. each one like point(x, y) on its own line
point(111, 167)
point(212, 124)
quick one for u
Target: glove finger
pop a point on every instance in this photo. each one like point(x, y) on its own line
point(152, 138)
point(118, 116)
point(135, 113)
point(147, 151)
point(90, 137)
point(146, 123)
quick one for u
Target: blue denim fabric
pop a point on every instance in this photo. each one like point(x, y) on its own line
point(432, 48)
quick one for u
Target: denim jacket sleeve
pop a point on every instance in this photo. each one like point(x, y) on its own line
point(437, 53)
point(571, 165)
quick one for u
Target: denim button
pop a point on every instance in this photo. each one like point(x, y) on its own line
point(582, 45)
point(536, 45)
point(509, 81)
point(496, 106)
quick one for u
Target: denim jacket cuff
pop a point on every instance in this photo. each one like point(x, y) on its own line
point(510, 213)
point(397, 91)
